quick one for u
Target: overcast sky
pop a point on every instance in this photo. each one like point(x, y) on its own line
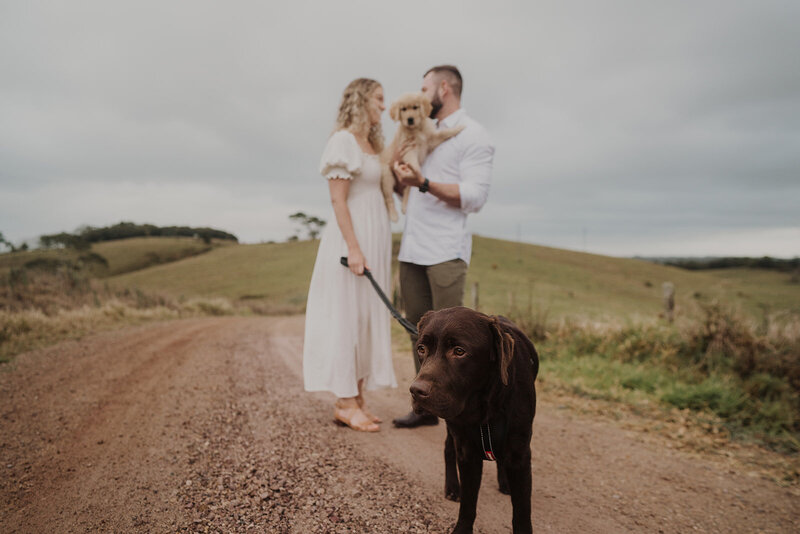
point(621, 127)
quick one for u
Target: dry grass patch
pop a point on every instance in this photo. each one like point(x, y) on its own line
point(39, 307)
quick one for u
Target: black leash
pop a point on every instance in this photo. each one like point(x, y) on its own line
point(405, 323)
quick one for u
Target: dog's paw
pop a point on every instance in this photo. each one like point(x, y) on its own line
point(502, 481)
point(453, 494)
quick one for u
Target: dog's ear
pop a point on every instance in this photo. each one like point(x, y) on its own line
point(426, 107)
point(503, 347)
point(423, 320)
point(394, 111)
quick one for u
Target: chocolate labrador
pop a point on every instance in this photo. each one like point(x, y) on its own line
point(478, 374)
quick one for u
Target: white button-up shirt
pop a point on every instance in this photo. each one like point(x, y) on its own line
point(435, 231)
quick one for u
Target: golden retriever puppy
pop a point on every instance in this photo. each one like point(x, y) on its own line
point(417, 130)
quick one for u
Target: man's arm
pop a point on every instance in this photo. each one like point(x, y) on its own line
point(475, 170)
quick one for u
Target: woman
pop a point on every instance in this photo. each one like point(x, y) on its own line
point(347, 345)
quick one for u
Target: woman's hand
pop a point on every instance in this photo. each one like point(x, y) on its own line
point(356, 261)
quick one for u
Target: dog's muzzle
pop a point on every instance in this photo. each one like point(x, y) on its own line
point(420, 390)
point(410, 121)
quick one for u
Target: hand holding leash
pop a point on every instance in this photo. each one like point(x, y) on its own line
point(405, 323)
point(358, 263)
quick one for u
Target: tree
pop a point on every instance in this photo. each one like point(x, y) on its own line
point(64, 240)
point(313, 225)
point(9, 244)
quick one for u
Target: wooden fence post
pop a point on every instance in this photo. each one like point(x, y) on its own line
point(669, 300)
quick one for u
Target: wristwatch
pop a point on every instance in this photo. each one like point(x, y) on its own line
point(424, 187)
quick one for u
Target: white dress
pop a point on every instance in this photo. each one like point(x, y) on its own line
point(347, 334)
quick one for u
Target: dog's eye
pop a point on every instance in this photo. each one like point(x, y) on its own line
point(415, 107)
point(458, 351)
point(403, 109)
point(422, 350)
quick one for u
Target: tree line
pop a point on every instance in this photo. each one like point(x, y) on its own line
point(84, 237)
point(766, 262)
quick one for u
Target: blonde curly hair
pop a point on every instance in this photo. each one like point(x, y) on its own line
point(354, 113)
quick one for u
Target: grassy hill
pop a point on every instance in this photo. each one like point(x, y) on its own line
point(274, 277)
point(123, 255)
point(509, 275)
point(126, 255)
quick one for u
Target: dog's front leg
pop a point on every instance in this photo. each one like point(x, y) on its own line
point(387, 188)
point(470, 469)
point(502, 478)
point(452, 490)
point(520, 484)
point(440, 136)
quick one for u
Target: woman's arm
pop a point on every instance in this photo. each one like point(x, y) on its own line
point(339, 188)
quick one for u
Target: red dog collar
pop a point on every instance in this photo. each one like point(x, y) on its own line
point(486, 442)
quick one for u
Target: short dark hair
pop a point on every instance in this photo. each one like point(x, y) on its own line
point(451, 74)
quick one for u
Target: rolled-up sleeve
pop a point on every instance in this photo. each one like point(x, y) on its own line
point(475, 170)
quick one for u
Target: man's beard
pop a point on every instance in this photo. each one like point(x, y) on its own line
point(436, 104)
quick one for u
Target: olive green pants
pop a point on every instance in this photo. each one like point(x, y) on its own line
point(430, 287)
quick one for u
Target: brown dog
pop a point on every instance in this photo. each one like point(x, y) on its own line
point(478, 374)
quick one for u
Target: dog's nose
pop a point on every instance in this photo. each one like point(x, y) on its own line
point(420, 388)
point(411, 121)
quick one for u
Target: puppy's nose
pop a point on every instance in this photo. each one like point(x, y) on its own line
point(411, 121)
point(420, 388)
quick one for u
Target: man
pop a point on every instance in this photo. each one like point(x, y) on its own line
point(436, 246)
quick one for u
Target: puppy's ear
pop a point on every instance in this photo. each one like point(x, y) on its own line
point(394, 111)
point(426, 107)
point(503, 349)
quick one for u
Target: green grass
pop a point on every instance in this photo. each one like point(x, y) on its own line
point(562, 283)
point(274, 277)
point(127, 255)
point(758, 290)
point(721, 365)
point(567, 283)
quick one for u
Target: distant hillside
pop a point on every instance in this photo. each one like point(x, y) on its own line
point(273, 276)
point(111, 257)
point(509, 275)
point(698, 264)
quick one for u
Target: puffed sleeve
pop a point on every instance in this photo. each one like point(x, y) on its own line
point(341, 157)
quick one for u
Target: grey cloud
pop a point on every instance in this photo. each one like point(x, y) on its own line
point(621, 116)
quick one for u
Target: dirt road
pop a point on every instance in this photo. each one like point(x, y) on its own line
point(202, 425)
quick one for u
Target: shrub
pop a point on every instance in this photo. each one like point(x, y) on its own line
point(712, 395)
point(747, 374)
